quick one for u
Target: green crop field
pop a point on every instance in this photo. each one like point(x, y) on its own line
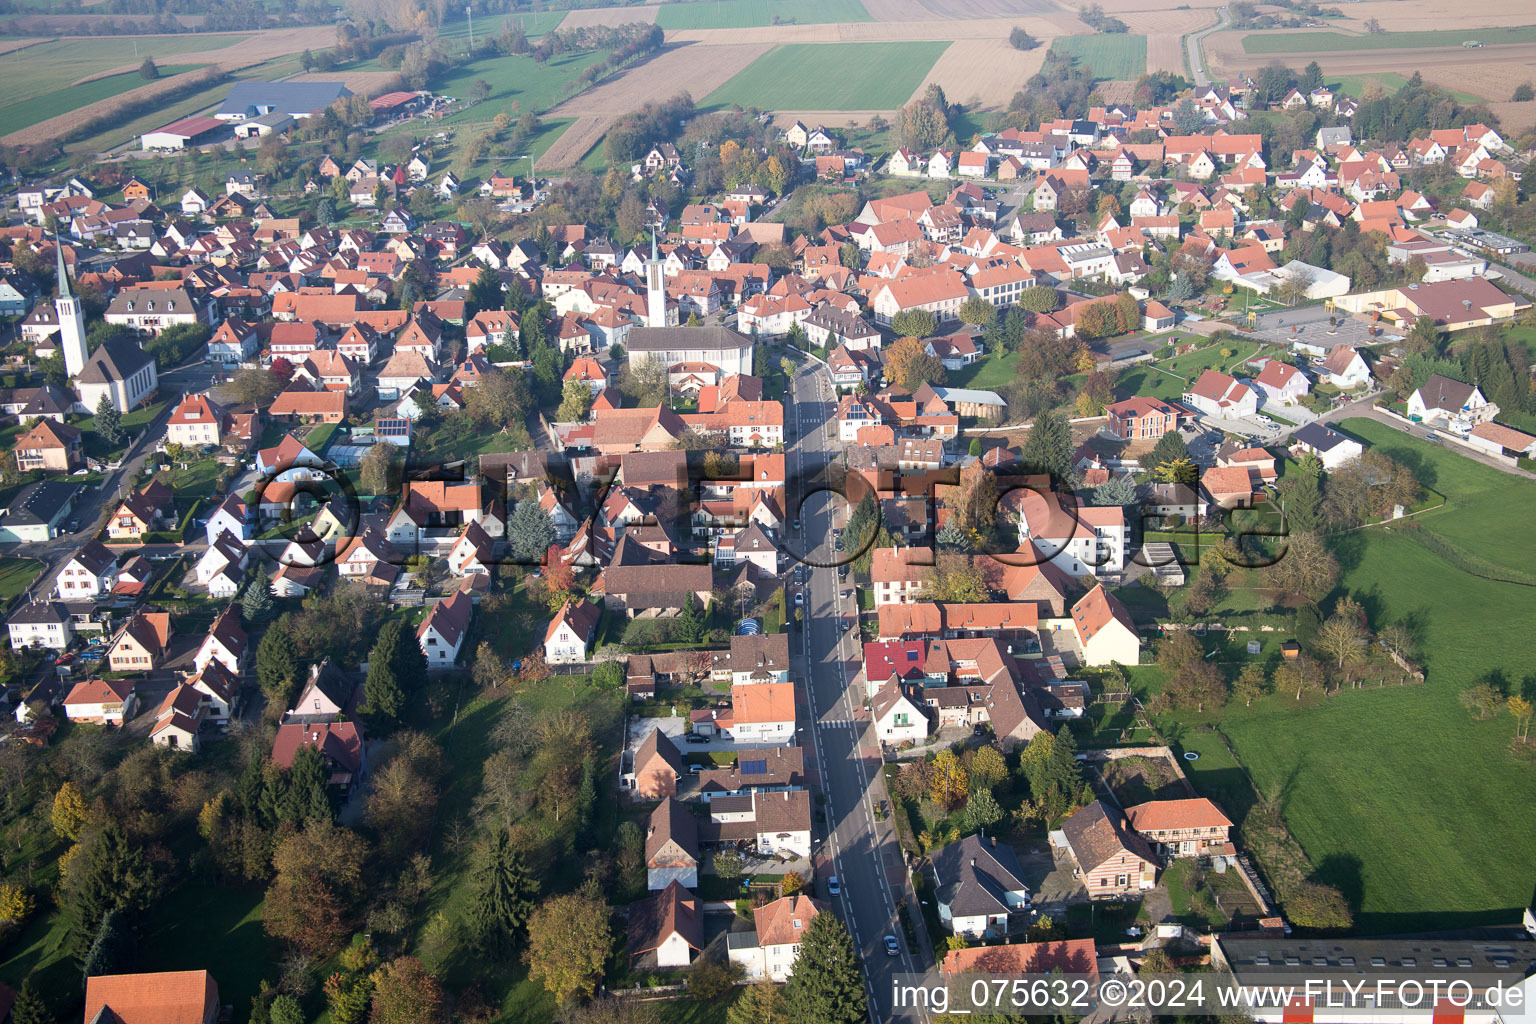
point(520, 80)
point(755, 13)
point(25, 113)
point(533, 23)
point(1382, 786)
point(831, 76)
point(1334, 42)
point(52, 67)
point(1115, 57)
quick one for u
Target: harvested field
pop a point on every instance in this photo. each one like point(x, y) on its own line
point(12, 45)
point(1309, 42)
point(753, 13)
point(1492, 74)
point(364, 83)
point(1493, 79)
point(697, 70)
point(897, 10)
point(989, 8)
point(1514, 116)
point(1165, 32)
point(982, 72)
point(64, 124)
point(235, 51)
point(1426, 15)
point(856, 76)
point(1117, 92)
point(574, 143)
point(608, 16)
point(875, 31)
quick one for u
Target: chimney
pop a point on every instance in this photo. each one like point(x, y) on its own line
point(973, 862)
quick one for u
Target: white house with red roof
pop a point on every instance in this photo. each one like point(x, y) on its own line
point(1104, 630)
point(101, 701)
point(571, 632)
point(1282, 383)
point(441, 633)
point(1221, 396)
point(197, 421)
point(1193, 827)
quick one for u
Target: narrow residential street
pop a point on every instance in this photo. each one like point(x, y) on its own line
point(862, 849)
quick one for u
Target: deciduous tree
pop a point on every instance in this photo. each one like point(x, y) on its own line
point(404, 992)
point(568, 940)
point(908, 366)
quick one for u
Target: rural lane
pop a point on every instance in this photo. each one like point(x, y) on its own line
point(1192, 45)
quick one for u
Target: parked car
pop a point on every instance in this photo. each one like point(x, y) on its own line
point(694, 737)
point(892, 947)
point(834, 887)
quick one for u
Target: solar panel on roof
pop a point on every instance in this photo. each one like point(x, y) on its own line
point(754, 767)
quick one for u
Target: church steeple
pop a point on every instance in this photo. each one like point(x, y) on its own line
point(71, 318)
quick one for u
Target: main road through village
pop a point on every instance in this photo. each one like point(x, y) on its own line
point(857, 847)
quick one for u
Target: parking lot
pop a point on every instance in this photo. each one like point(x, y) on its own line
point(1310, 326)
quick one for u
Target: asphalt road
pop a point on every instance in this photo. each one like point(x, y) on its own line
point(861, 851)
point(1195, 58)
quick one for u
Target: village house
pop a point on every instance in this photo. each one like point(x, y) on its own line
point(41, 624)
point(1105, 631)
point(1219, 396)
point(182, 997)
point(340, 744)
point(1109, 858)
point(141, 644)
point(441, 633)
point(657, 766)
point(102, 702)
point(768, 951)
point(665, 930)
point(571, 632)
point(1451, 404)
point(979, 886)
point(50, 447)
point(1193, 827)
point(671, 847)
point(1330, 446)
point(89, 573)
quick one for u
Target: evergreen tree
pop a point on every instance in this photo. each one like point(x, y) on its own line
point(111, 949)
point(529, 533)
point(1304, 496)
point(109, 422)
point(306, 797)
point(384, 689)
point(108, 873)
point(1049, 446)
point(586, 794)
point(825, 986)
point(277, 665)
point(503, 897)
point(1169, 448)
point(256, 602)
point(252, 782)
point(29, 1007)
point(690, 622)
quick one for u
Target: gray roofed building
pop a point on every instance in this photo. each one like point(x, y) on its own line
point(119, 369)
point(34, 514)
point(980, 883)
point(249, 100)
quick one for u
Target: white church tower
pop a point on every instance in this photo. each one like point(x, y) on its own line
point(655, 289)
point(71, 320)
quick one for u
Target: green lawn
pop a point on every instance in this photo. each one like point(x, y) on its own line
point(1118, 57)
point(24, 113)
point(754, 13)
point(1168, 378)
point(16, 575)
point(831, 76)
point(991, 372)
point(1334, 42)
point(1382, 786)
point(50, 68)
point(520, 80)
point(533, 24)
point(1390, 82)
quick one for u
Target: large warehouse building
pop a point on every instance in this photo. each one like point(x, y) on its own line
point(248, 100)
point(189, 131)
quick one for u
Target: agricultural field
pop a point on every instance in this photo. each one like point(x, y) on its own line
point(1329, 42)
point(1113, 57)
point(835, 76)
point(23, 113)
point(517, 83)
point(1361, 775)
point(54, 66)
point(753, 13)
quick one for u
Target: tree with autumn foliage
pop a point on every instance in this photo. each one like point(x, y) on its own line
point(404, 992)
point(908, 366)
point(314, 899)
point(70, 814)
point(568, 940)
point(949, 784)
